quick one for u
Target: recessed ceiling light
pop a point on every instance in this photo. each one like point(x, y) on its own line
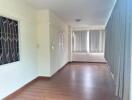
point(78, 20)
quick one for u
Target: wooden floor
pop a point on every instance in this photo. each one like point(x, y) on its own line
point(77, 81)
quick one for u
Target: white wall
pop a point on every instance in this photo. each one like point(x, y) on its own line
point(69, 44)
point(50, 57)
point(43, 40)
point(59, 55)
point(15, 75)
point(88, 57)
point(38, 32)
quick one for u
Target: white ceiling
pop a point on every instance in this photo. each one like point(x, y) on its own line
point(92, 12)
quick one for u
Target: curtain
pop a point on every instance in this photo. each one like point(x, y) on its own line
point(79, 41)
point(96, 41)
point(118, 46)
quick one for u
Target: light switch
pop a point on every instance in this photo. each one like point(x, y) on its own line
point(52, 47)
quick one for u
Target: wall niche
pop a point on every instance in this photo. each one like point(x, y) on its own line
point(9, 41)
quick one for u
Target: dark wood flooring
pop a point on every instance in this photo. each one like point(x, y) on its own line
point(77, 81)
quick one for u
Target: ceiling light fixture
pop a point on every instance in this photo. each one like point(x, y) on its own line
point(78, 20)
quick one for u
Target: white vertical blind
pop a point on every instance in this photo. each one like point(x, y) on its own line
point(80, 41)
point(96, 41)
point(92, 41)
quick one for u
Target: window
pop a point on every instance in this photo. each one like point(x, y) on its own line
point(79, 41)
point(9, 43)
point(92, 41)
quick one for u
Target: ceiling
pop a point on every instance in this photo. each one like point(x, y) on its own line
point(91, 12)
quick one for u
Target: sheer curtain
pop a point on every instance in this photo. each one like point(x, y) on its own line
point(96, 41)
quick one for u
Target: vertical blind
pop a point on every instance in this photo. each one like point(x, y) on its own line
point(80, 41)
point(92, 41)
point(96, 41)
point(118, 46)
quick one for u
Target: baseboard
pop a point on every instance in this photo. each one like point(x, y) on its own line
point(25, 86)
point(117, 98)
point(33, 81)
point(112, 75)
point(30, 83)
point(60, 69)
point(19, 90)
point(88, 62)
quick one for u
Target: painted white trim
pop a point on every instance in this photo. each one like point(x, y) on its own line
point(101, 27)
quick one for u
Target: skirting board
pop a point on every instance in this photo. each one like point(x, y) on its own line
point(88, 62)
point(60, 69)
point(30, 83)
point(20, 90)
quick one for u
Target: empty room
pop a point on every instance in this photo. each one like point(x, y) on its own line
point(65, 49)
